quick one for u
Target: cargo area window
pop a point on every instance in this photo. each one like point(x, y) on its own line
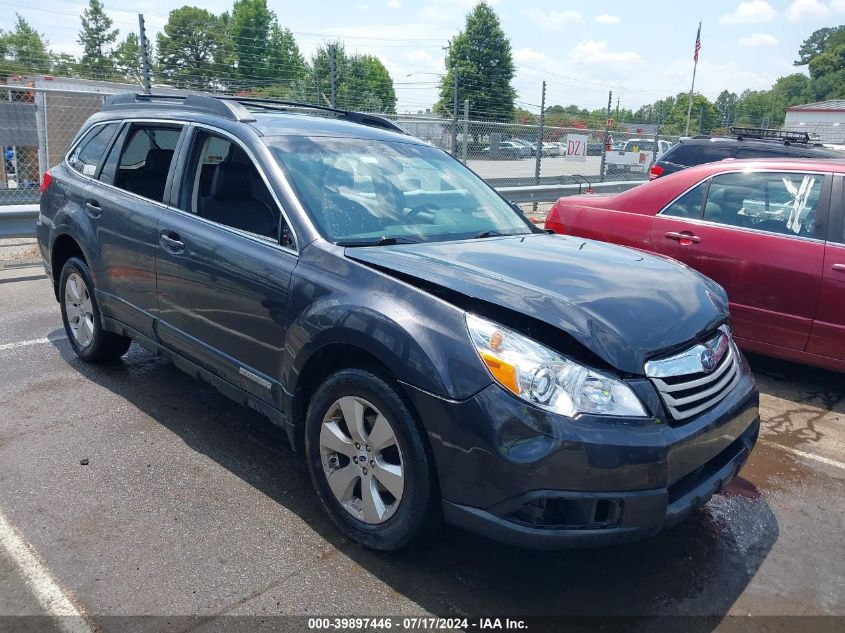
point(88, 153)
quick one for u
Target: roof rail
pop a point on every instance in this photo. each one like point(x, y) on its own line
point(196, 103)
point(762, 133)
point(372, 120)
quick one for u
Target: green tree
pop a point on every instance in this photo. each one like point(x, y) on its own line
point(127, 59)
point(726, 107)
point(96, 37)
point(65, 65)
point(819, 42)
point(827, 63)
point(285, 64)
point(192, 50)
point(363, 83)
point(482, 55)
point(249, 29)
point(23, 50)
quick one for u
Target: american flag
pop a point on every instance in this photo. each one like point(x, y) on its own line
point(697, 43)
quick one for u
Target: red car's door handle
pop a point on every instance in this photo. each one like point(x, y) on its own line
point(840, 268)
point(685, 237)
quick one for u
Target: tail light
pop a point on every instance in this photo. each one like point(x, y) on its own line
point(553, 220)
point(656, 172)
point(46, 181)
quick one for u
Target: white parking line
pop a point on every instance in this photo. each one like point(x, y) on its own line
point(811, 456)
point(34, 341)
point(39, 580)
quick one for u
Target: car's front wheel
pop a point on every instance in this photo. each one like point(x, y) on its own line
point(368, 460)
point(81, 316)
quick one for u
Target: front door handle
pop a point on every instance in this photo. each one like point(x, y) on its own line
point(685, 238)
point(840, 268)
point(171, 242)
point(93, 208)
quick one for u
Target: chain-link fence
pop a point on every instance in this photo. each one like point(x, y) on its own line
point(38, 124)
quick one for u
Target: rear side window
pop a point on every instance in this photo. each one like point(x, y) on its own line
point(765, 152)
point(145, 159)
point(690, 155)
point(689, 204)
point(784, 203)
point(88, 153)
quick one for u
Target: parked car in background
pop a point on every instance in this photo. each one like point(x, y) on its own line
point(382, 304)
point(508, 150)
point(635, 156)
point(771, 232)
point(744, 142)
point(553, 148)
point(594, 148)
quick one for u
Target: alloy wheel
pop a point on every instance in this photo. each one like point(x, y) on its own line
point(361, 460)
point(80, 313)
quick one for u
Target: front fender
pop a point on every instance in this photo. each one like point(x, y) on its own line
point(420, 338)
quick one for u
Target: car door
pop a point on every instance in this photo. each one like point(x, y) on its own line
point(828, 333)
point(128, 201)
point(224, 268)
point(758, 234)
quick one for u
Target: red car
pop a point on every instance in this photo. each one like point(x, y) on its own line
point(771, 232)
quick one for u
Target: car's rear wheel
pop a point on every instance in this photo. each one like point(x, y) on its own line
point(81, 316)
point(368, 460)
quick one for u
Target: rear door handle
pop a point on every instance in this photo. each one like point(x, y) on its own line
point(685, 237)
point(171, 242)
point(840, 268)
point(93, 208)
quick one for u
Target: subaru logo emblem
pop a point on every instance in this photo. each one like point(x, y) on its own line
point(708, 359)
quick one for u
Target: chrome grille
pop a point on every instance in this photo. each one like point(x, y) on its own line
point(697, 378)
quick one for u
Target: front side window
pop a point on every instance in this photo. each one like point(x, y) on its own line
point(222, 185)
point(88, 153)
point(359, 191)
point(145, 159)
point(775, 202)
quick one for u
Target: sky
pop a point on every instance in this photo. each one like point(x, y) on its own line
point(641, 51)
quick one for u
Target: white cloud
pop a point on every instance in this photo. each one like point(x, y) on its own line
point(806, 10)
point(593, 52)
point(363, 7)
point(750, 12)
point(393, 4)
point(446, 9)
point(552, 20)
point(527, 55)
point(758, 39)
point(606, 18)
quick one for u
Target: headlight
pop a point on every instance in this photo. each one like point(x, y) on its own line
point(545, 378)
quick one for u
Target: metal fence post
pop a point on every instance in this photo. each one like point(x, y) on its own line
point(539, 152)
point(656, 140)
point(145, 54)
point(455, 111)
point(606, 136)
point(466, 131)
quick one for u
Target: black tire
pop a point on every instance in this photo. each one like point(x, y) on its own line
point(103, 346)
point(416, 513)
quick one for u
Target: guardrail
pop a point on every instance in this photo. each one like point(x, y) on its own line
point(19, 220)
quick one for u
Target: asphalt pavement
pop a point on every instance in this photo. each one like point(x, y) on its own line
point(145, 500)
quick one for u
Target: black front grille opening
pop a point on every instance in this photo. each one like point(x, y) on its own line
point(572, 514)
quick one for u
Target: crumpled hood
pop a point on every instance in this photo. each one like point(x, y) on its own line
point(621, 304)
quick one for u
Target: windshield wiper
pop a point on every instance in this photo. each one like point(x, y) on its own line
point(484, 234)
point(386, 240)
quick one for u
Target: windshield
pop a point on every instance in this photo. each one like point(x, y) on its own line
point(358, 190)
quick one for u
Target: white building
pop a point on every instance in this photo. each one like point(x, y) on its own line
point(824, 120)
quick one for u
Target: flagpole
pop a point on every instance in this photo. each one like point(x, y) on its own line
point(692, 87)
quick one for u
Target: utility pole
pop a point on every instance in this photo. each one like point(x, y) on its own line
point(455, 110)
point(145, 53)
point(606, 136)
point(333, 69)
point(617, 109)
point(466, 131)
point(701, 119)
point(317, 99)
